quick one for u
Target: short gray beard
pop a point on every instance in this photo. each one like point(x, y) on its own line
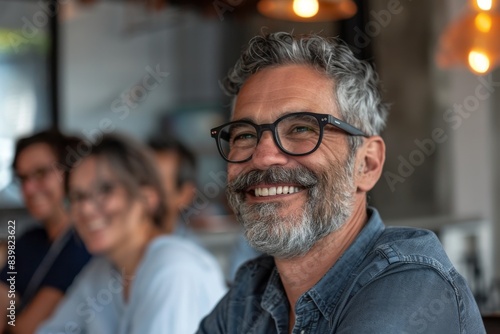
point(329, 205)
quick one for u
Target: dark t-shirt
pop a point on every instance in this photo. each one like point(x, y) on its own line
point(30, 250)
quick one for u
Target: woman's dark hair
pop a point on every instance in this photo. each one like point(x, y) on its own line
point(134, 167)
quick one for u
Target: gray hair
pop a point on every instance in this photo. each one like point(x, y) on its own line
point(355, 81)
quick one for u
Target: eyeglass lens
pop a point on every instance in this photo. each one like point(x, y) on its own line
point(98, 194)
point(38, 174)
point(296, 134)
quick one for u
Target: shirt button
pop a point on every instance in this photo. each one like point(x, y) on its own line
point(302, 332)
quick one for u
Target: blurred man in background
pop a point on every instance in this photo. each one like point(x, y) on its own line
point(177, 167)
point(49, 256)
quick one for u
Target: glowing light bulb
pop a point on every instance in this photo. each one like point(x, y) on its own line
point(305, 8)
point(479, 61)
point(484, 4)
point(483, 22)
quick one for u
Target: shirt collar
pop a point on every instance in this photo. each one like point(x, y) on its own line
point(327, 292)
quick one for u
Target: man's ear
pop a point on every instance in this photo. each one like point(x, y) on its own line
point(186, 195)
point(151, 198)
point(370, 162)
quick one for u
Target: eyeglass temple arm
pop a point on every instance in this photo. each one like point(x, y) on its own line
point(346, 127)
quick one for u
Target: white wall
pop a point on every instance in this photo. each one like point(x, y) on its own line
point(109, 51)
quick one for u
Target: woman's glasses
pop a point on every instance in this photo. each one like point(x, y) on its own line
point(98, 194)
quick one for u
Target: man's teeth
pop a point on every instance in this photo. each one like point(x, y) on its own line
point(37, 198)
point(96, 225)
point(280, 190)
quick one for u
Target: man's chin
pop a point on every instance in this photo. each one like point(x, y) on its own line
point(274, 249)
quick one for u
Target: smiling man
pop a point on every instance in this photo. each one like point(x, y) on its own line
point(303, 149)
point(48, 256)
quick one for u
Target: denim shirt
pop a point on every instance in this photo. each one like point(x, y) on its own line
point(389, 280)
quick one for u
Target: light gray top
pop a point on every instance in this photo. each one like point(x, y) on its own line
point(177, 283)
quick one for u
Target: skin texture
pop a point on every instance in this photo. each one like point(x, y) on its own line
point(115, 225)
point(43, 197)
point(271, 93)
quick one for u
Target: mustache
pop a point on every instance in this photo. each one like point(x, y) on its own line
point(274, 175)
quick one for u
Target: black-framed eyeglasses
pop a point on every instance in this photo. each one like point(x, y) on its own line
point(98, 194)
point(37, 175)
point(295, 134)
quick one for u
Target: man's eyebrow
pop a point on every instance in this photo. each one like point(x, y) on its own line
point(249, 119)
point(246, 119)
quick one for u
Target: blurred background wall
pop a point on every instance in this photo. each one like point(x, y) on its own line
point(144, 67)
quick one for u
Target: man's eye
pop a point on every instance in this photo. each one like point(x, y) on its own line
point(244, 136)
point(106, 188)
point(302, 128)
point(22, 178)
point(40, 173)
point(76, 197)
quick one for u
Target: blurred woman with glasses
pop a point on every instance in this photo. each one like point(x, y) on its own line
point(143, 281)
point(44, 260)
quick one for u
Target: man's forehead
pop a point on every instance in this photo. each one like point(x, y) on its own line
point(274, 91)
point(35, 154)
point(288, 75)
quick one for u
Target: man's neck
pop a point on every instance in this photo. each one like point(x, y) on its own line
point(298, 275)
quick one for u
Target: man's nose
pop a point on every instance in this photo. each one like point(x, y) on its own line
point(29, 185)
point(267, 153)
